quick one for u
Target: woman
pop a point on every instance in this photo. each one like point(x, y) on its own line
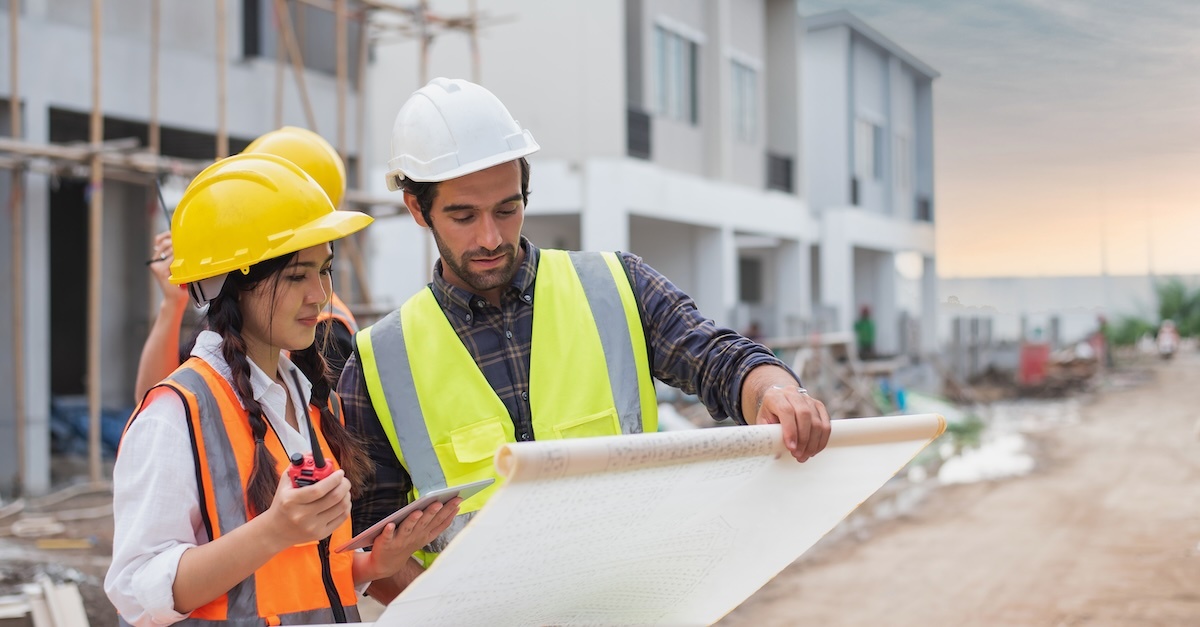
point(209, 526)
point(161, 352)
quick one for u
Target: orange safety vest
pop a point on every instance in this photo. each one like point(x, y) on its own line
point(299, 585)
point(340, 312)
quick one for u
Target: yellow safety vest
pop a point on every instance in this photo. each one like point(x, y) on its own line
point(589, 375)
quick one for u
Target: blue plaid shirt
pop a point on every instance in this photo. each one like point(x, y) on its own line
point(687, 351)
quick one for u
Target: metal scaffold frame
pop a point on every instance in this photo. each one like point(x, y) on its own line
point(125, 160)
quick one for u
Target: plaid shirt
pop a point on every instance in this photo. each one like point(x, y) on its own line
point(687, 351)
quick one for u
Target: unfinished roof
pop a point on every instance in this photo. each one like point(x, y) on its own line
point(842, 17)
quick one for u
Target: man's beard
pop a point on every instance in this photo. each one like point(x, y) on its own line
point(480, 282)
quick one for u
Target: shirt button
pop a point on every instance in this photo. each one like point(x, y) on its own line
point(524, 396)
point(480, 303)
point(468, 317)
point(527, 298)
point(524, 437)
point(508, 334)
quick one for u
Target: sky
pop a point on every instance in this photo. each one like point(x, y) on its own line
point(1067, 132)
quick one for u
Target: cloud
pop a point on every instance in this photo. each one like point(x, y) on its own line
point(1048, 109)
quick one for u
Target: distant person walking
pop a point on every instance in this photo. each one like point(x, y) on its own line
point(1168, 339)
point(864, 333)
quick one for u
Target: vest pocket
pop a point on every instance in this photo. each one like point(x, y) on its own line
point(477, 442)
point(602, 423)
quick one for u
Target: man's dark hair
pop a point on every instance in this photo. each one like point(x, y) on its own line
point(426, 192)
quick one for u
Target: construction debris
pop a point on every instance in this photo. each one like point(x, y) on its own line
point(49, 604)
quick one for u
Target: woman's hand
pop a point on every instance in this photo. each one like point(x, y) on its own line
point(396, 544)
point(309, 513)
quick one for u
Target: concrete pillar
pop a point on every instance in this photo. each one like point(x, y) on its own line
point(887, 322)
point(929, 306)
point(837, 271)
point(715, 258)
point(715, 87)
point(794, 288)
point(604, 216)
point(37, 312)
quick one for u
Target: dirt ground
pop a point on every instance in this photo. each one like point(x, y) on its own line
point(1105, 531)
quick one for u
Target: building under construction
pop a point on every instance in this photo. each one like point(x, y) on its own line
point(777, 167)
point(102, 104)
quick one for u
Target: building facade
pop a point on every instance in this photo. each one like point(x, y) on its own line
point(55, 88)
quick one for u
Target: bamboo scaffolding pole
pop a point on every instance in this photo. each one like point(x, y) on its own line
point(17, 205)
point(342, 71)
point(473, 30)
point(360, 115)
point(154, 137)
point(95, 252)
point(222, 53)
point(426, 39)
point(280, 53)
point(301, 24)
point(155, 28)
point(115, 153)
point(289, 40)
point(339, 37)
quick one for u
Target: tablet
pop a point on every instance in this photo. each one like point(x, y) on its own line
point(366, 538)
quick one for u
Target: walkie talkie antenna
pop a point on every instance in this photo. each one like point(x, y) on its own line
point(318, 456)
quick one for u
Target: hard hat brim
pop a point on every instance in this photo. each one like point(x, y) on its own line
point(329, 227)
point(408, 168)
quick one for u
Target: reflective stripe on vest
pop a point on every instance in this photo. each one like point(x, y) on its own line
point(340, 312)
point(589, 376)
point(293, 591)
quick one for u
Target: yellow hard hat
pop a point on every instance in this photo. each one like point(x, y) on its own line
point(249, 208)
point(311, 152)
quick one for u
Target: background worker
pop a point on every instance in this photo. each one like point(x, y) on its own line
point(208, 523)
point(864, 333)
point(437, 386)
point(162, 353)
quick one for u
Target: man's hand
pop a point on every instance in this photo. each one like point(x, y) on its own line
point(771, 396)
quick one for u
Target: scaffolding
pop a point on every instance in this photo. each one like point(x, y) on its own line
point(123, 159)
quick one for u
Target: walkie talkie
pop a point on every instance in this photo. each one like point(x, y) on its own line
point(307, 469)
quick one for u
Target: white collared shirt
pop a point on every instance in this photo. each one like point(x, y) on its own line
point(155, 498)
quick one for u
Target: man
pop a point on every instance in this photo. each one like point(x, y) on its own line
point(464, 366)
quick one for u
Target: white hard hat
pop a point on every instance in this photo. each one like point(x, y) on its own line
point(451, 128)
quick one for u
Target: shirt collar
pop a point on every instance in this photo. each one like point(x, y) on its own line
point(208, 348)
point(465, 304)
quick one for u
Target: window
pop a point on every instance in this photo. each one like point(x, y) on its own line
point(868, 150)
point(745, 102)
point(314, 30)
point(675, 80)
point(750, 280)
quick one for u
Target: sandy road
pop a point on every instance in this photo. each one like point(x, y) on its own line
point(1105, 532)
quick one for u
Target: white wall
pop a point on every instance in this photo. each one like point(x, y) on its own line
point(669, 247)
point(902, 124)
point(747, 44)
point(783, 92)
point(544, 58)
point(871, 100)
point(827, 125)
point(56, 71)
point(1077, 300)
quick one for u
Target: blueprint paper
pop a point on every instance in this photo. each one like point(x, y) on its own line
point(673, 528)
